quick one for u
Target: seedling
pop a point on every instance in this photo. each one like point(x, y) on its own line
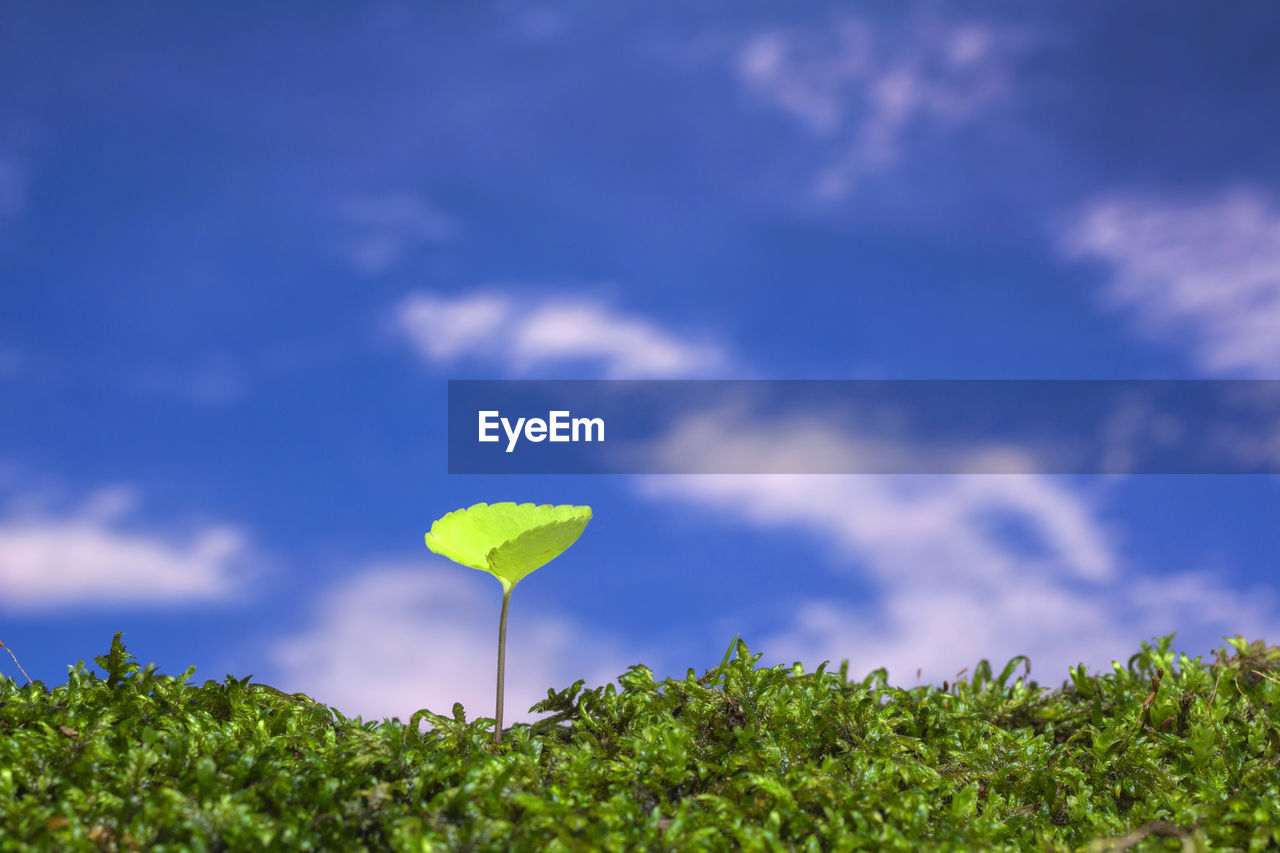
point(508, 541)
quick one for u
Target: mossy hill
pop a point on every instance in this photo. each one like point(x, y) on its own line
point(1164, 752)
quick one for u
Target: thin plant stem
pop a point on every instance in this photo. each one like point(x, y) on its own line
point(15, 661)
point(502, 658)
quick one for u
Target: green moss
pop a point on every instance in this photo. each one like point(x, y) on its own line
point(1167, 752)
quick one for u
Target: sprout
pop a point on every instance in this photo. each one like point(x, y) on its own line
point(508, 541)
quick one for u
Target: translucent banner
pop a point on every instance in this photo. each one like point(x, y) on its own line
point(864, 427)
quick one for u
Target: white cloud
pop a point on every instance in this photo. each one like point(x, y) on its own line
point(386, 228)
point(527, 335)
point(1205, 273)
point(963, 567)
point(861, 87)
point(443, 329)
point(86, 557)
point(398, 637)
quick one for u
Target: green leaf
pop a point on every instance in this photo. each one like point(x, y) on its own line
point(505, 539)
point(964, 802)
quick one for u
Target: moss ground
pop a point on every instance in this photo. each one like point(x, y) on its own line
point(1164, 752)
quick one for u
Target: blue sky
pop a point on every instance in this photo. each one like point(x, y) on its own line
point(242, 251)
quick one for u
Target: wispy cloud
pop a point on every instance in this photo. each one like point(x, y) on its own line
point(963, 567)
point(384, 229)
point(398, 637)
point(860, 88)
point(1203, 273)
point(213, 381)
point(88, 556)
point(523, 335)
